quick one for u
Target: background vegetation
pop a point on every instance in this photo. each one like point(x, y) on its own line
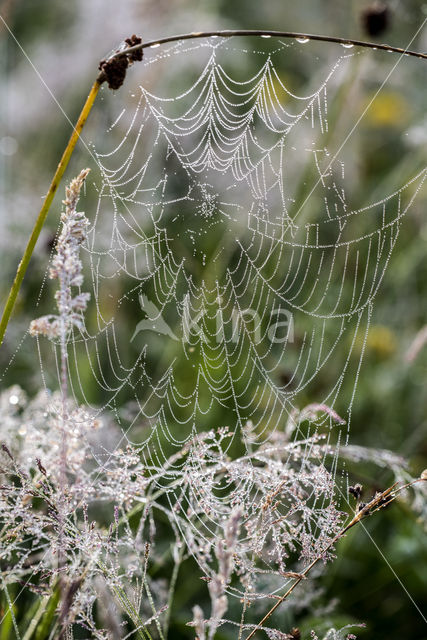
point(64, 41)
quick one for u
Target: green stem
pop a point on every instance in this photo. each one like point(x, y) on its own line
point(42, 630)
point(172, 590)
point(153, 608)
point(36, 618)
point(23, 265)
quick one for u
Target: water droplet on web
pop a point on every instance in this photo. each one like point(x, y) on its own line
point(347, 45)
point(22, 430)
point(13, 399)
point(189, 171)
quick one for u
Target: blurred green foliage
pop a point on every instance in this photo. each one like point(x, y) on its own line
point(391, 402)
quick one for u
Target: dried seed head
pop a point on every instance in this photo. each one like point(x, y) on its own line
point(383, 501)
point(41, 467)
point(114, 69)
point(376, 19)
point(134, 56)
point(356, 491)
point(7, 451)
point(66, 267)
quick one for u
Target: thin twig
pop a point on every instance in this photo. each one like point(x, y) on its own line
point(269, 34)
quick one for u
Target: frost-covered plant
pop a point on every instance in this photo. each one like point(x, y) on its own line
point(78, 518)
point(67, 268)
point(245, 545)
point(40, 522)
point(283, 491)
point(54, 481)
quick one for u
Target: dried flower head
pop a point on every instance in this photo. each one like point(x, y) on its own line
point(114, 69)
point(134, 56)
point(66, 267)
point(356, 491)
point(376, 19)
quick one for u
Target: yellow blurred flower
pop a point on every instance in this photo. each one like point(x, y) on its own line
point(279, 92)
point(387, 109)
point(381, 342)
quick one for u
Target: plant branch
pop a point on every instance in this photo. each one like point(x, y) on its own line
point(269, 34)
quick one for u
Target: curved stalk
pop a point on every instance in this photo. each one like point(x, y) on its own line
point(269, 34)
point(23, 265)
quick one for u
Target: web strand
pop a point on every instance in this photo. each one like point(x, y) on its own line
point(246, 308)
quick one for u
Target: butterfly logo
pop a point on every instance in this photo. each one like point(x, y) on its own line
point(154, 321)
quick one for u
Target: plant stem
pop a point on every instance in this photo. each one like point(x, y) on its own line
point(269, 34)
point(23, 265)
point(172, 588)
point(36, 618)
point(63, 461)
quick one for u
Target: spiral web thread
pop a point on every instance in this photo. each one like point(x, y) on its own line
point(201, 234)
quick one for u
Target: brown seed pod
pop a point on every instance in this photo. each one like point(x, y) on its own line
point(114, 69)
point(356, 491)
point(134, 56)
point(376, 19)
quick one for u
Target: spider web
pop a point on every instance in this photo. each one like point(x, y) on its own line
point(224, 227)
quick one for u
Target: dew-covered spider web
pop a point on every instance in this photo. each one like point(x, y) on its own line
point(233, 269)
